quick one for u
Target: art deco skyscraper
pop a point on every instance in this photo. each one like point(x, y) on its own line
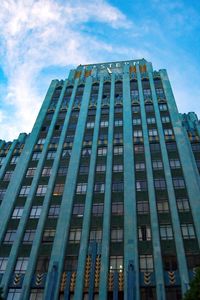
point(102, 199)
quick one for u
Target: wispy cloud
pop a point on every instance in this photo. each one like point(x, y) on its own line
point(38, 34)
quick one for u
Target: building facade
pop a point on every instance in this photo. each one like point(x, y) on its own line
point(102, 199)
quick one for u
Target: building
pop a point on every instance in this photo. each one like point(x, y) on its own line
point(102, 199)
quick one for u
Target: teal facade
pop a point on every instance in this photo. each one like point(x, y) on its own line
point(102, 199)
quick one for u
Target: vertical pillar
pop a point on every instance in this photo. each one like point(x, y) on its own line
point(63, 225)
point(14, 186)
point(160, 286)
point(192, 183)
point(171, 195)
point(107, 201)
point(46, 203)
point(130, 208)
point(28, 204)
point(88, 203)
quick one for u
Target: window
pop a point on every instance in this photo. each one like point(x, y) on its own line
point(35, 212)
point(139, 148)
point(178, 183)
point(142, 207)
point(183, 204)
point(41, 141)
point(147, 92)
point(153, 132)
point(118, 136)
point(75, 235)
point(144, 233)
point(159, 91)
point(58, 189)
point(171, 146)
point(166, 232)
point(54, 140)
point(151, 120)
point(81, 188)
point(97, 209)
point(118, 109)
point(24, 190)
point(51, 154)
point(137, 133)
point(100, 168)
point(29, 236)
point(14, 160)
point(2, 193)
point(42, 264)
point(165, 119)
point(71, 263)
point(168, 132)
point(86, 152)
point(7, 176)
point(66, 153)
point(162, 107)
point(117, 235)
point(3, 264)
point(36, 155)
point(2, 158)
point(196, 147)
point(141, 185)
point(155, 147)
point(30, 172)
point(118, 150)
point(149, 107)
point(140, 166)
point(36, 294)
point(175, 163)
point(99, 187)
point(10, 237)
point(117, 208)
point(102, 151)
point(188, 231)
point(104, 124)
point(116, 263)
point(135, 108)
point(159, 184)
point(117, 168)
point(136, 121)
point(48, 235)
point(78, 209)
point(84, 169)
point(157, 164)
point(96, 235)
point(14, 294)
point(62, 171)
point(54, 211)
point(146, 263)
point(41, 190)
point(90, 125)
point(46, 171)
point(118, 123)
point(17, 212)
point(21, 265)
point(117, 186)
point(162, 206)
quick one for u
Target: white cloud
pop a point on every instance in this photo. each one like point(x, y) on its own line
point(38, 34)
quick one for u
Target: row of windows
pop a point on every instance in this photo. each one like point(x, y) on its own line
point(144, 234)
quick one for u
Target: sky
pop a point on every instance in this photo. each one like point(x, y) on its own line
point(41, 40)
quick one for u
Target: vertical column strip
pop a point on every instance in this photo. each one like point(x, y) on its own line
point(28, 204)
point(171, 195)
point(88, 202)
point(63, 225)
point(160, 286)
point(107, 201)
point(192, 182)
point(14, 186)
point(130, 210)
point(46, 203)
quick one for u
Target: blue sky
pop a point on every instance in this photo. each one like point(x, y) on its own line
point(42, 40)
